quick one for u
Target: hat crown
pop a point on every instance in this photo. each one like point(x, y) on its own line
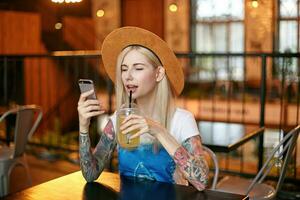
point(120, 38)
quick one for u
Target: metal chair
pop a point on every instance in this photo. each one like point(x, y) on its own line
point(27, 120)
point(216, 165)
point(255, 189)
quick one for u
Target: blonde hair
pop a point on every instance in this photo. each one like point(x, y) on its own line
point(164, 99)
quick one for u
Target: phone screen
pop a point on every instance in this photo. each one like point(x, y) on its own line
point(87, 85)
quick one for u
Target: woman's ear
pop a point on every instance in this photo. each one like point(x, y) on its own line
point(160, 73)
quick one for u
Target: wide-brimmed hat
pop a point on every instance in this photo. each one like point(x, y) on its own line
point(120, 38)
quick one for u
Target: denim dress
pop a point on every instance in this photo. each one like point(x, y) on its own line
point(142, 162)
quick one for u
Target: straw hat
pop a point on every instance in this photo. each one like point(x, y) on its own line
point(120, 38)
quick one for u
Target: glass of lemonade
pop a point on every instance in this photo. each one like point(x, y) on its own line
point(123, 139)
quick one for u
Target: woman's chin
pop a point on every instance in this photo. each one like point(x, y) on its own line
point(135, 95)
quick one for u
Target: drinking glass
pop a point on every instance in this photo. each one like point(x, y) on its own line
point(123, 139)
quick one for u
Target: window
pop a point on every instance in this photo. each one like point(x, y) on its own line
point(218, 27)
point(289, 26)
point(288, 40)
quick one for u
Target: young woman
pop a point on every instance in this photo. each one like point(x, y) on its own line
point(170, 145)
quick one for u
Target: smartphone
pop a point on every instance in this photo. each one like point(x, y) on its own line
point(87, 85)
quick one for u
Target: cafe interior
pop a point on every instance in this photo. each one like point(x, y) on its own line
point(241, 65)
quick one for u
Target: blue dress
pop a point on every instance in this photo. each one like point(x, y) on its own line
point(142, 162)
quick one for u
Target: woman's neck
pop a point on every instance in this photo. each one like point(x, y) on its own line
point(147, 104)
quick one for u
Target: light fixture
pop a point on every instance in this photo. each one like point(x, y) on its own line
point(173, 7)
point(66, 1)
point(254, 3)
point(58, 25)
point(100, 13)
point(57, 1)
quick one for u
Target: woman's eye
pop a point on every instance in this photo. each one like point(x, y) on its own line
point(123, 70)
point(139, 68)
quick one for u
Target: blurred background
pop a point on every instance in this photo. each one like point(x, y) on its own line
point(240, 60)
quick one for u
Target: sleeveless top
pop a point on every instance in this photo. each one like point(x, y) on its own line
point(142, 162)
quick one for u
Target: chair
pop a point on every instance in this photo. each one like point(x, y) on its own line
point(216, 165)
point(255, 189)
point(13, 155)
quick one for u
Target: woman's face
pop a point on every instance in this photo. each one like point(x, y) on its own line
point(138, 75)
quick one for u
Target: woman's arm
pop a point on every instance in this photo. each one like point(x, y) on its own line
point(188, 157)
point(92, 163)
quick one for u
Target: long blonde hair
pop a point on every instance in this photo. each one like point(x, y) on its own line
point(165, 98)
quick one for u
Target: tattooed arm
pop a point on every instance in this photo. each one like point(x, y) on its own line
point(188, 157)
point(92, 163)
point(191, 162)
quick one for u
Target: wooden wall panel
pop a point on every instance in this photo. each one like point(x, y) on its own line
point(44, 83)
point(147, 14)
point(79, 32)
point(47, 86)
point(19, 32)
point(177, 25)
point(107, 23)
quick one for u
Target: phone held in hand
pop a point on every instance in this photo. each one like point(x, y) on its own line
point(87, 85)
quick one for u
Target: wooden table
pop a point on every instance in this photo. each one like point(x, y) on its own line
point(225, 137)
point(111, 186)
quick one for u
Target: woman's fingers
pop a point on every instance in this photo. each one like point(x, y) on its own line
point(93, 108)
point(84, 95)
point(142, 124)
point(130, 122)
point(139, 133)
point(89, 105)
point(90, 109)
point(134, 122)
point(92, 102)
point(132, 116)
point(133, 127)
point(85, 109)
point(94, 113)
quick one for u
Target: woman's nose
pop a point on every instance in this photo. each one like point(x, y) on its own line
point(129, 75)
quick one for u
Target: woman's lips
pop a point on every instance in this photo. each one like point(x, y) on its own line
point(132, 88)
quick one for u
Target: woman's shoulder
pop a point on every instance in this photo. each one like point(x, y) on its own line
point(182, 113)
point(183, 125)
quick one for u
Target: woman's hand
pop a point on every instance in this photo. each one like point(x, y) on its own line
point(144, 125)
point(87, 109)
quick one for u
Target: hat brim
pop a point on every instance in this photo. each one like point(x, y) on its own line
point(120, 38)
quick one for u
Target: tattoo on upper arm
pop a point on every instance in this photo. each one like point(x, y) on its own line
point(189, 157)
point(92, 164)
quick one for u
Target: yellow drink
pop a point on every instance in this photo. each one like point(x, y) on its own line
point(123, 139)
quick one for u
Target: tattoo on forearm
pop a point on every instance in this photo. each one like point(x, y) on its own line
point(193, 145)
point(189, 157)
point(92, 163)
